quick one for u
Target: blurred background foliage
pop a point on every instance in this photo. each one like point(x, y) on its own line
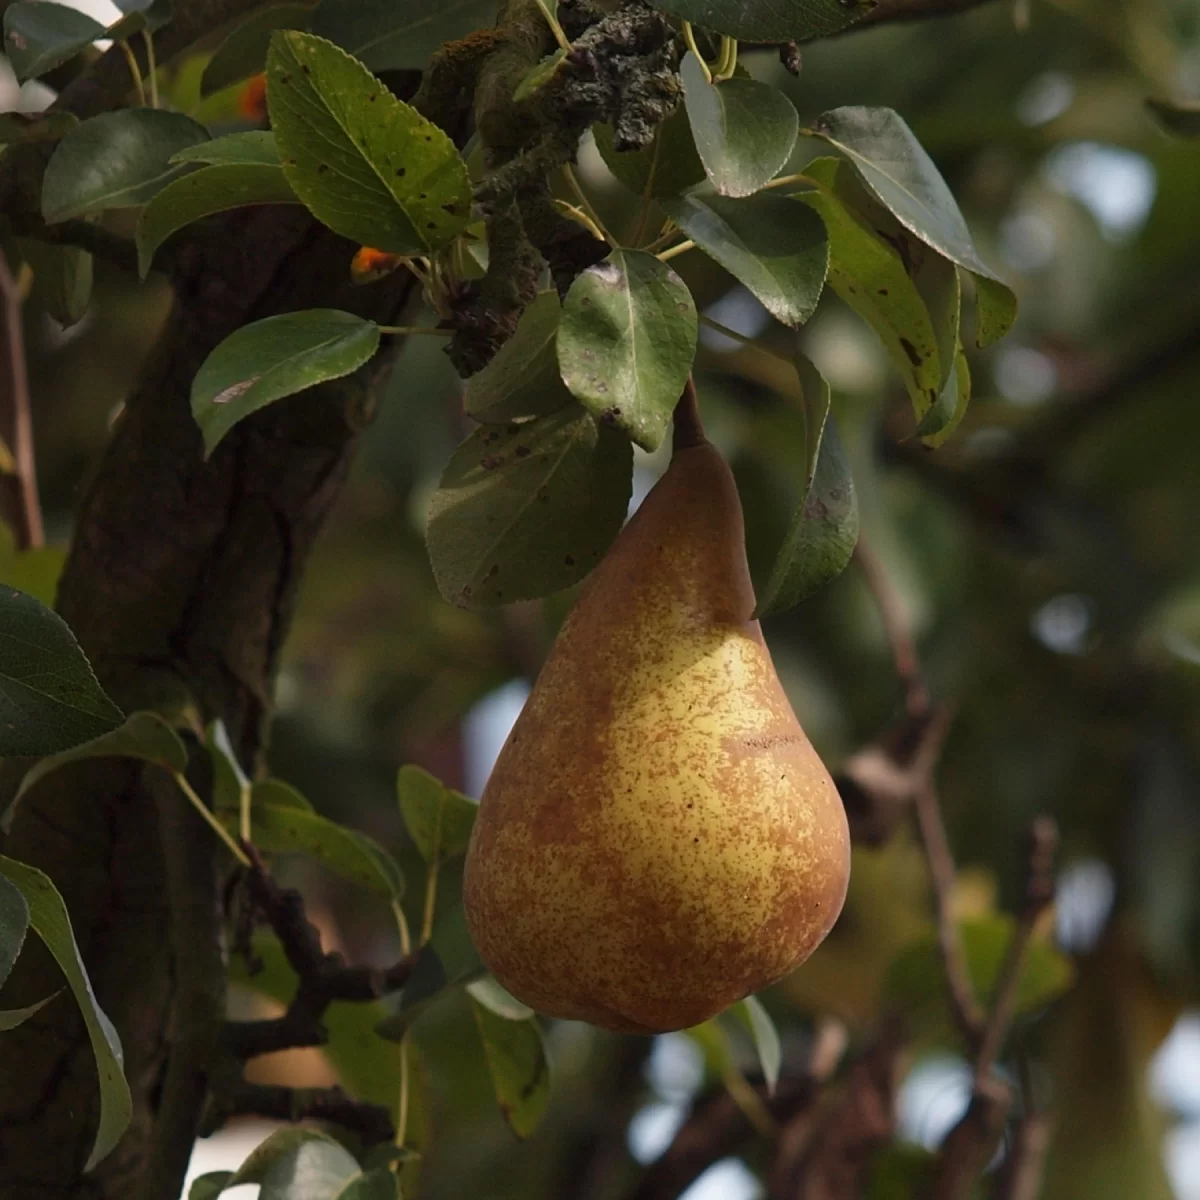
point(1047, 557)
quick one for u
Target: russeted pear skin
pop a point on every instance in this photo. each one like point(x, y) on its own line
point(658, 839)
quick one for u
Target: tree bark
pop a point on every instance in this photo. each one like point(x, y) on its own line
point(179, 585)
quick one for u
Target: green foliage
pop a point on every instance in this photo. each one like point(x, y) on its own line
point(62, 278)
point(769, 20)
point(244, 52)
point(527, 509)
point(48, 916)
point(744, 130)
point(49, 697)
point(368, 165)
point(438, 818)
point(626, 343)
point(758, 1023)
point(274, 358)
point(115, 160)
point(39, 36)
point(12, 1018)
point(14, 924)
point(667, 167)
point(18, 128)
point(777, 249)
point(516, 1058)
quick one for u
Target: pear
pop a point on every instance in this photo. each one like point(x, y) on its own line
point(658, 838)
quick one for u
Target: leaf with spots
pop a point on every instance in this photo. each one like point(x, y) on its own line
point(523, 380)
point(745, 130)
point(49, 697)
point(944, 417)
point(48, 916)
point(824, 527)
point(439, 819)
point(527, 509)
point(145, 736)
point(273, 358)
point(902, 176)
point(626, 342)
point(769, 20)
point(365, 163)
point(516, 1058)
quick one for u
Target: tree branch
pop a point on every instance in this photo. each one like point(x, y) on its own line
point(19, 504)
point(372, 1122)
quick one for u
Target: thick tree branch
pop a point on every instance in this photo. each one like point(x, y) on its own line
point(19, 505)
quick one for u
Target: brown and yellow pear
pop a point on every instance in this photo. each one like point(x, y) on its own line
point(658, 838)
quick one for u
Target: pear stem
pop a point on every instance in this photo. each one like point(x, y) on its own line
point(688, 430)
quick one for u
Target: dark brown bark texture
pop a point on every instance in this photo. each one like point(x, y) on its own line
point(180, 583)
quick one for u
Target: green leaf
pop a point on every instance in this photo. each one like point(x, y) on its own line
point(438, 818)
point(916, 984)
point(280, 794)
point(869, 271)
point(761, 1028)
point(1180, 119)
point(287, 829)
point(230, 782)
point(626, 342)
point(19, 127)
point(279, 1145)
point(10, 1018)
point(209, 1186)
point(144, 735)
point(202, 193)
point(49, 697)
point(40, 36)
point(254, 147)
point(387, 37)
point(824, 528)
point(769, 20)
point(273, 358)
point(366, 164)
point(48, 916)
point(540, 76)
point(33, 571)
point(62, 278)
point(492, 996)
point(379, 1184)
point(528, 509)
point(523, 379)
point(780, 254)
point(714, 1043)
point(944, 417)
point(896, 168)
point(668, 166)
point(115, 160)
point(516, 1058)
point(14, 924)
point(745, 131)
point(244, 52)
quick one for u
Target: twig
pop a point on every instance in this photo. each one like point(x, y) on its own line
point(971, 1144)
point(324, 978)
point(895, 625)
point(1021, 1176)
point(19, 503)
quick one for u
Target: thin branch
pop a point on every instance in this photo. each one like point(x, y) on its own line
point(1021, 1176)
point(372, 1122)
point(324, 978)
point(19, 503)
point(896, 625)
point(973, 1142)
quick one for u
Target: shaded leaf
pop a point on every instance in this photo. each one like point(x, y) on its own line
point(230, 782)
point(39, 36)
point(19, 127)
point(390, 38)
point(202, 193)
point(438, 818)
point(278, 793)
point(49, 697)
point(274, 358)
point(278, 1145)
point(744, 130)
point(769, 20)
point(115, 160)
point(366, 164)
point(379, 1184)
point(824, 527)
point(210, 1185)
point(896, 168)
point(516, 1058)
point(244, 52)
point(10, 1018)
point(62, 278)
point(492, 996)
point(144, 735)
point(523, 379)
point(781, 255)
point(48, 916)
point(761, 1028)
point(1181, 119)
point(528, 509)
point(944, 417)
point(315, 1168)
point(253, 147)
point(668, 166)
point(626, 342)
point(14, 924)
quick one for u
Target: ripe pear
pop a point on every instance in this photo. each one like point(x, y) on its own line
point(658, 838)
